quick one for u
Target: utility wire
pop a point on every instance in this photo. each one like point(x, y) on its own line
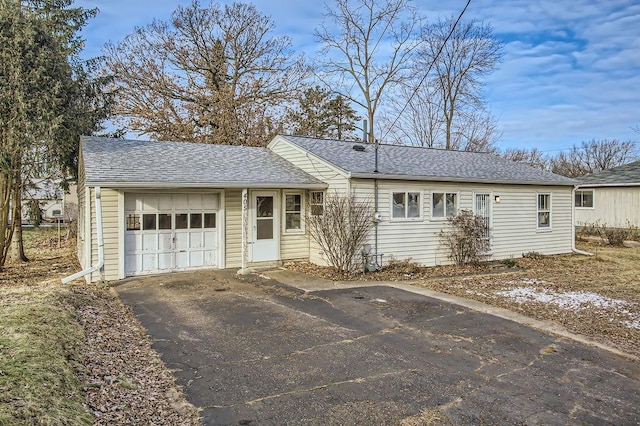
point(428, 70)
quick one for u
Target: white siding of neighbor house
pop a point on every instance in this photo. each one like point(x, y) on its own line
point(514, 220)
point(613, 206)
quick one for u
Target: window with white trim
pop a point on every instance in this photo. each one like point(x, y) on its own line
point(405, 205)
point(316, 203)
point(544, 211)
point(293, 212)
point(584, 199)
point(444, 204)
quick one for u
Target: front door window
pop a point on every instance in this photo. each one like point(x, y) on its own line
point(264, 217)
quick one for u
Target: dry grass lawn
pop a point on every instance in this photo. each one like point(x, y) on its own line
point(75, 355)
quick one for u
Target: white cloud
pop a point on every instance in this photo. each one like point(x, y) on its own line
point(571, 70)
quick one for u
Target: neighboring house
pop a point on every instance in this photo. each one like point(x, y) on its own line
point(173, 205)
point(49, 195)
point(610, 197)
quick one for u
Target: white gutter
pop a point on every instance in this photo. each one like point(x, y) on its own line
point(98, 266)
point(573, 225)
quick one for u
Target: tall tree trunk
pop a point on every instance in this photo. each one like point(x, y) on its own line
point(17, 245)
point(5, 229)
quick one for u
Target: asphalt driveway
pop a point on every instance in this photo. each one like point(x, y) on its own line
point(250, 350)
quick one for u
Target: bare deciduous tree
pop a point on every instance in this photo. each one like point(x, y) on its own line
point(212, 74)
point(366, 46)
point(533, 157)
point(458, 63)
point(593, 156)
point(342, 230)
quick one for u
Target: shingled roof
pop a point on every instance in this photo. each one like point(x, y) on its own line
point(136, 163)
point(416, 163)
point(627, 175)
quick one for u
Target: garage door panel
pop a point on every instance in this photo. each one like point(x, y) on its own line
point(149, 202)
point(195, 201)
point(149, 242)
point(175, 232)
point(132, 242)
point(182, 240)
point(195, 240)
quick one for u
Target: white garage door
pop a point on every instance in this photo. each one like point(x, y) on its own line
point(169, 232)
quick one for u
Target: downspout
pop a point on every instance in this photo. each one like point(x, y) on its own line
point(573, 225)
point(98, 266)
point(375, 189)
point(375, 207)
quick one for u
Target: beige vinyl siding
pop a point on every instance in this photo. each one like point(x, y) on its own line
point(514, 220)
point(110, 233)
point(336, 179)
point(318, 168)
point(294, 247)
point(613, 206)
point(233, 228)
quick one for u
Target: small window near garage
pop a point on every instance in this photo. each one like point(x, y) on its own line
point(209, 220)
point(293, 212)
point(149, 222)
point(133, 222)
point(584, 199)
point(182, 221)
point(196, 220)
point(444, 204)
point(544, 211)
point(164, 221)
point(405, 205)
point(316, 203)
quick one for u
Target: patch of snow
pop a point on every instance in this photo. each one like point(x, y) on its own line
point(572, 300)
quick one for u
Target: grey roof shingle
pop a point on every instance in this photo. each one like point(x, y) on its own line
point(417, 163)
point(130, 163)
point(629, 174)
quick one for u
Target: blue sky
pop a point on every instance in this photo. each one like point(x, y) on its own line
point(571, 70)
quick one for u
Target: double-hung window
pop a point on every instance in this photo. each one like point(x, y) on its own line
point(544, 211)
point(444, 204)
point(316, 203)
point(405, 205)
point(584, 199)
point(293, 212)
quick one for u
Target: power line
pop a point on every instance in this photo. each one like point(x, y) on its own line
point(428, 70)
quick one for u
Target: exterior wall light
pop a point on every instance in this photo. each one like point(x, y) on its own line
point(497, 199)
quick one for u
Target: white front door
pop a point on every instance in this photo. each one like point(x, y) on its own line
point(265, 229)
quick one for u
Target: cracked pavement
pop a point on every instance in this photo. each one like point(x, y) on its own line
point(249, 350)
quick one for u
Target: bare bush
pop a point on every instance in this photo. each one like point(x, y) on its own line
point(342, 230)
point(616, 236)
point(466, 238)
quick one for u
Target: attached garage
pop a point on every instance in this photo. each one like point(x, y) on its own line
point(147, 207)
point(170, 231)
